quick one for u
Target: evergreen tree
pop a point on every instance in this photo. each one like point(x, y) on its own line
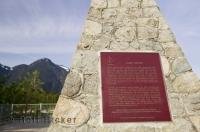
point(27, 91)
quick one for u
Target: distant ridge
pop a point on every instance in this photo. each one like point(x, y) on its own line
point(4, 70)
point(51, 74)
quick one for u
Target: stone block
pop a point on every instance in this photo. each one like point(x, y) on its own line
point(73, 84)
point(145, 129)
point(174, 52)
point(108, 29)
point(92, 28)
point(85, 62)
point(109, 15)
point(94, 14)
point(147, 33)
point(135, 13)
point(179, 125)
point(134, 45)
point(146, 44)
point(168, 84)
point(130, 3)
point(176, 105)
point(187, 83)
point(151, 12)
point(59, 128)
point(121, 22)
point(113, 3)
point(91, 83)
point(86, 42)
point(147, 3)
point(104, 129)
point(125, 129)
point(165, 65)
point(158, 48)
point(70, 113)
point(162, 23)
point(83, 128)
point(119, 45)
point(180, 65)
point(92, 102)
point(132, 13)
point(151, 22)
point(166, 45)
point(166, 36)
point(192, 103)
point(125, 34)
point(196, 122)
point(101, 43)
point(99, 4)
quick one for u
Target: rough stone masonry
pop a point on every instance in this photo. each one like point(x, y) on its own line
point(126, 25)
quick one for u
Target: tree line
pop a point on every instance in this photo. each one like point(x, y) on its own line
point(26, 91)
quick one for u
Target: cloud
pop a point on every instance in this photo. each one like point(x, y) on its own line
point(41, 29)
point(42, 36)
point(36, 26)
point(55, 48)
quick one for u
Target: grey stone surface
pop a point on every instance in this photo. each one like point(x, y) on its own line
point(187, 82)
point(177, 106)
point(86, 62)
point(192, 103)
point(73, 84)
point(180, 65)
point(179, 125)
point(70, 113)
point(196, 121)
point(173, 52)
point(93, 28)
point(166, 65)
point(127, 25)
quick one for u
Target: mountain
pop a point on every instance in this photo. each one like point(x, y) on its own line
point(4, 70)
point(52, 75)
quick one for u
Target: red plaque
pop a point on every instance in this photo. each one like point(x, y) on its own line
point(133, 88)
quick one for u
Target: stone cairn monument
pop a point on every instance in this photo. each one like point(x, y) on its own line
point(126, 25)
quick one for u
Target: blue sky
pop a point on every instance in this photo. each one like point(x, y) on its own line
point(33, 29)
point(183, 16)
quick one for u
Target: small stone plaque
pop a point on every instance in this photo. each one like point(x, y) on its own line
point(133, 87)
